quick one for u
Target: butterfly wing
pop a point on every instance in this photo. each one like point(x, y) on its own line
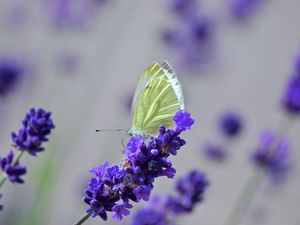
point(157, 97)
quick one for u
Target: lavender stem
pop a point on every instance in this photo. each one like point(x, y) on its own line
point(83, 219)
point(247, 194)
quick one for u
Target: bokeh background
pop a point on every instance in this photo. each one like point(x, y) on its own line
point(85, 69)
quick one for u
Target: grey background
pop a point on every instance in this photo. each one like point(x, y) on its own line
point(253, 62)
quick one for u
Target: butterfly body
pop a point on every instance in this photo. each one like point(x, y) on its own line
point(157, 98)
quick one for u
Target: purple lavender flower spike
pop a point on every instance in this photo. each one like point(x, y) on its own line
point(230, 124)
point(183, 120)
point(162, 210)
point(214, 152)
point(114, 186)
point(291, 97)
point(272, 153)
point(242, 9)
point(13, 171)
point(10, 73)
point(68, 13)
point(37, 125)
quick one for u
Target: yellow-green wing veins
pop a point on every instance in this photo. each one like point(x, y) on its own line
point(157, 101)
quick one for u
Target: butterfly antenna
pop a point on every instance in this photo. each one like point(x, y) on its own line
point(118, 130)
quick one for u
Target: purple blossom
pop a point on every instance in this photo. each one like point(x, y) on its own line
point(193, 39)
point(13, 171)
point(120, 210)
point(134, 142)
point(242, 9)
point(68, 13)
point(214, 152)
point(37, 125)
point(184, 8)
point(272, 153)
point(10, 73)
point(188, 192)
point(291, 97)
point(142, 192)
point(183, 120)
point(190, 189)
point(100, 170)
point(230, 124)
point(150, 216)
point(133, 179)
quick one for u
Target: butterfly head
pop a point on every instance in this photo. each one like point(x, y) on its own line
point(136, 132)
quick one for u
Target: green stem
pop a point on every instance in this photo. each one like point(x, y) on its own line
point(243, 201)
point(4, 178)
point(83, 219)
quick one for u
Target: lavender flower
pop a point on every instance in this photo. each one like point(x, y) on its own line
point(184, 8)
point(13, 171)
point(214, 152)
point(230, 124)
point(37, 125)
point(196, 41)
point(242, 9)
point(183, 120)
point(192, 40)
point(114, 186)
point(68, 13)
point(189, 191)
point(10, 72)
point(272, 153)
point(150, 215)
point(121, 210)
point(291, 98)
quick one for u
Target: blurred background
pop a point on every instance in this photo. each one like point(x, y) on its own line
point(81, 60)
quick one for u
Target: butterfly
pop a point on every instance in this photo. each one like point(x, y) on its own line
point(157, 97)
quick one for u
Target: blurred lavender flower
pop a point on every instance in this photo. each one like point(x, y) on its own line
point(133, 180)
point(272, 154)
point(192, 40)
point(189, 191)
point(214, 152)
point(10, 73)
point(291, 97)
point(184, 8)
point(230, 124)
point(12, 170)
point(36, 126)
point(242, 9)
point(150, 216)
point(68, 13)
